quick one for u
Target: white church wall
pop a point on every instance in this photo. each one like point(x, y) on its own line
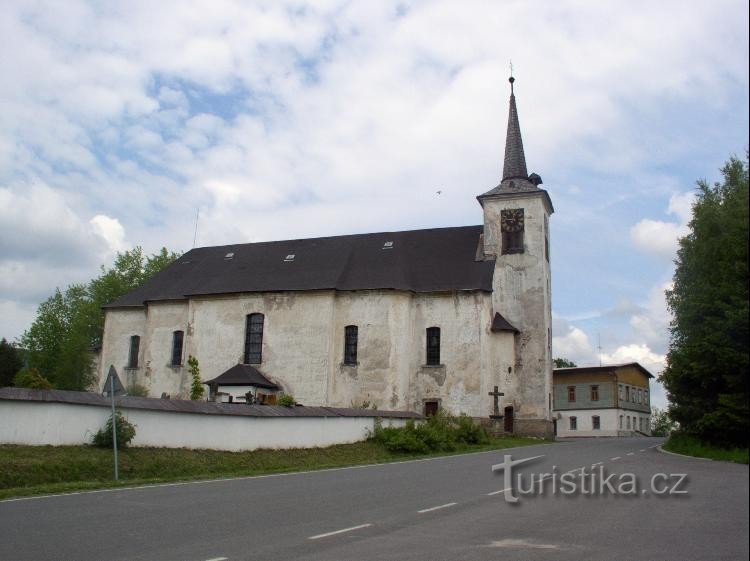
point(303, 345)
point(119, 326)
point(58, 424)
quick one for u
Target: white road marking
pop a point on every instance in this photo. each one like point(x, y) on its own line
point(218, 559)
point(614, 459)
point(631, 454)
point(642, 450)
point(317, 537)
point(435, 508)
point(500, 491)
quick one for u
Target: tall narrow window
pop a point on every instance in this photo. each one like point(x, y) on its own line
point(177, 338)
point(594, 393)
point(627, 393)
point(574, 423)
point(571, 393)
point(254, 339)
point(433, 346)
point(595, 422)
point(511, 227)
point(135, 343)
point(350, 344)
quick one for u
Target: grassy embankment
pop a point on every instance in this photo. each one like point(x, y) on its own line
point(691, 446)
point(34, 470)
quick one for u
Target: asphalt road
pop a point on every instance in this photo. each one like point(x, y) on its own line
point(451, 508)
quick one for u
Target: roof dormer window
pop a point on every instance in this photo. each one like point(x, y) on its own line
point(289, 258)
point(388, 245)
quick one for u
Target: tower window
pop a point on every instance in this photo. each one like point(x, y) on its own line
point(254, 339)
point(433, 346)
point(177, 338)
point(511, 227)
point(351, 337)
point(135, 344)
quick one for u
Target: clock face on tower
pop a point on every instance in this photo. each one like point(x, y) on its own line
point(511, 220)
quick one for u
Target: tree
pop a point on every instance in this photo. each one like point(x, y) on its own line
point(706, 376)
point(661, 423)
point(196, 386)
point(69, 324)
point(563, 363)
point(10, 363)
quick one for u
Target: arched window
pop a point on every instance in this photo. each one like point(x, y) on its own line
point(254, 339)
point(351, 336)
point(135, 344)
point(177, 338)
point(433, 346)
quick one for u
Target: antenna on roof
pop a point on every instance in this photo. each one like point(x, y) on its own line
point(195, 234)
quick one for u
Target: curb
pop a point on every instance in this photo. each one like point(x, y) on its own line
point(663, 451)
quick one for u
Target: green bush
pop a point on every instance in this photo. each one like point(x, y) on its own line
point(137, 390)
point(31, 378)
point(196, 386)
point(125, 433)
point(286, 400)
point(439, 433)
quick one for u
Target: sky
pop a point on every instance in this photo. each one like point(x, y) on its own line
point(122, 121)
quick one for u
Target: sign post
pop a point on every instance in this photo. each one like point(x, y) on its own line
point(113, 386)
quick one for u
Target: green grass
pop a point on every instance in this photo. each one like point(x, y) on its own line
point(33, 470)
point(691, 446)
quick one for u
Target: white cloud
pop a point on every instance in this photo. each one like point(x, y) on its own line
point(111, 230)
point(659, 237)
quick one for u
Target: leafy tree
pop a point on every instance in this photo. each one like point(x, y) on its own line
point(707, 363)
point(196, 386)
point(10, 363)
point(661, 423)
point(70, 323)
point(32, 379)
point(563, 363)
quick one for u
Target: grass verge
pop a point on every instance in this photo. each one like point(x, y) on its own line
point(35, 470)
point(691, 446)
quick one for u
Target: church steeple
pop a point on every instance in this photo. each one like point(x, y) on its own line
point(514, 165)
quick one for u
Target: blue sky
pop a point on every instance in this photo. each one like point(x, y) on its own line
point(118, 121)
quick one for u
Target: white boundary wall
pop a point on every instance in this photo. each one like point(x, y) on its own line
point(609, 422)
point(57, 424)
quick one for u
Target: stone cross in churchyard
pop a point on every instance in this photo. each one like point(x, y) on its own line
point(496, 394)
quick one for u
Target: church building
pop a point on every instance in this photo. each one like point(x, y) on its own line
point(417, 320)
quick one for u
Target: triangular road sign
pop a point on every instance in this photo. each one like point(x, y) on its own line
point(119, 389)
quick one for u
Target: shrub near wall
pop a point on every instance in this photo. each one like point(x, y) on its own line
point(441, 433)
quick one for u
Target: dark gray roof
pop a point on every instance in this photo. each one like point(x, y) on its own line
point(441, 259)
point(514, 164)
point(196, 407)
point(243, 375)
point(499, 323)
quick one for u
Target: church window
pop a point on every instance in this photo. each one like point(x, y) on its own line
point(574, 423)
point(254, 339)
point(511, 227)
point(177, 338)
point(135, 343)
point(571, 393)
point(594, 393)
point(621, 422)
point(433, 346)
point(350, 344)
point(595, 422)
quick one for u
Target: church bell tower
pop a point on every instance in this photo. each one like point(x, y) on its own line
point(516, 237)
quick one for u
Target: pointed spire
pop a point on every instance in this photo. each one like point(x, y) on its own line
point(514, 166)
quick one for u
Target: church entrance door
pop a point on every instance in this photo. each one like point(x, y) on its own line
point(508, 419)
